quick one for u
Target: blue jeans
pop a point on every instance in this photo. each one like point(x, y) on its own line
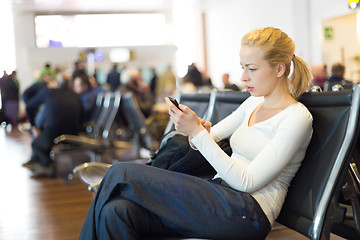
point(136, 200)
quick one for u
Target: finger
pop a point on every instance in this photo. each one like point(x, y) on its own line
point(187, 110)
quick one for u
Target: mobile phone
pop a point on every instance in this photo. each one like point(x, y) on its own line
point(175, 102)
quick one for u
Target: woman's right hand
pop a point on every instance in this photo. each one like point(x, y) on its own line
point(185, 120)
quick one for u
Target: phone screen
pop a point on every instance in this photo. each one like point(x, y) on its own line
point(173, 100)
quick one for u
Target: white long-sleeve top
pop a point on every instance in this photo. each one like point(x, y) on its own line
point(265, 156)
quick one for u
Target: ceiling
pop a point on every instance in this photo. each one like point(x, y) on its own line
point(50, 6)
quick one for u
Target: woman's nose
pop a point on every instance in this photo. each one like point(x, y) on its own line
point(244, 77)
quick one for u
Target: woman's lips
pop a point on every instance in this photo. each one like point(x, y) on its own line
point(249, 89)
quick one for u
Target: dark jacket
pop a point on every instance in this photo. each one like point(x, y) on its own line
point(63, 110)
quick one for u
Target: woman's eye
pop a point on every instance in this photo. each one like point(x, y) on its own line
point(252, 69)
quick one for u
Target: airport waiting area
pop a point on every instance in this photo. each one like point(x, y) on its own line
point(322, 200)
point(169, 119)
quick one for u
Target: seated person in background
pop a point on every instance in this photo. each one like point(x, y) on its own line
point(133, 82)
point(227, 84)
point(194, 76)
point(48, 71)
point(82, 86)
point(320, 75)
point(165, 84)
point(36, 87)
point(269, 134)
point(337, 77)
point(62, 115)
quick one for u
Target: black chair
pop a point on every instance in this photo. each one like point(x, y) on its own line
point(141, 137)
point(329, 86)
point(97, 119)
point(314, 205)
point(223, 103)
point(106, 117)
point(71, 150)
point(91, 173)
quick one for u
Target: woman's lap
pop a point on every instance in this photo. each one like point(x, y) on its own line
point(192, 206)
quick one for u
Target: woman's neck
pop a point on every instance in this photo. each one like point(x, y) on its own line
point(279, 98)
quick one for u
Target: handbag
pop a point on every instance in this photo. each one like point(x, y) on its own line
point(175, 154)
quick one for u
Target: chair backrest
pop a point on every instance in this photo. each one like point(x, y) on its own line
point(94, 129)
point(136, 119)
point(223, 103)
point(198, 102)
point(95, 116)
point(318, 181)
point(328, 86)
point(112, 104)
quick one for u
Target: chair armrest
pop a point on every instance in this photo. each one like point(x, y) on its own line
point(90, 143)
point(121, 144)
point(91, 173)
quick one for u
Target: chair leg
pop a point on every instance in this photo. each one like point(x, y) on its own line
point(351, 193)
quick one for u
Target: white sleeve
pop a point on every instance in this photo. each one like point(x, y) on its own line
point(292, 137)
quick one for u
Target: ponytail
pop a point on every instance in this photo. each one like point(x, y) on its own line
point(300, 78)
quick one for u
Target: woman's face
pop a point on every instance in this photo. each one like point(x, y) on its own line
point(259, 77)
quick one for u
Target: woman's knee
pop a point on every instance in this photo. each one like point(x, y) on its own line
point(126, 170)
point(119, 209)
point(115, 220)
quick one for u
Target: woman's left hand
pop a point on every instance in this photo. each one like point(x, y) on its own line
point(186, 121)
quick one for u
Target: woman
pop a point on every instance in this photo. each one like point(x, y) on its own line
point(269, 134)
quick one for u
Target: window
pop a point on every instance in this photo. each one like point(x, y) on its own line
point(100, 30)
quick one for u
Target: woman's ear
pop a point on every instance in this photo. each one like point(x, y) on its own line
point(281, 68)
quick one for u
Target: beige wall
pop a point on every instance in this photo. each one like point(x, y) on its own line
point(344, 44)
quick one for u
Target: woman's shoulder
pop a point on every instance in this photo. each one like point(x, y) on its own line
point(299, 111)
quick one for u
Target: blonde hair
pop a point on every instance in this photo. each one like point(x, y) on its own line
point(278, 48)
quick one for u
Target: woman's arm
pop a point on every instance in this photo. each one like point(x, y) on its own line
point(291, 136)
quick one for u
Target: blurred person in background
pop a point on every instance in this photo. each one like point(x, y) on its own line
point(82, 86)
point(62, 115)
point(9, 86)
point(153, 81)
point(47, 76)
point(337, 77)
point(79, 68)
point(132, 79)
point(113, 78)
point(227, 85)
point(194, 76)
point(166, 84)
point(48, 72)
point(320, 75)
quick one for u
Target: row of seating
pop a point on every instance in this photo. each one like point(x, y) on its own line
point(323, 197)
point(99, 135)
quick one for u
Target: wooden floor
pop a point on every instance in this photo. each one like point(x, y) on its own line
point(48, 208)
